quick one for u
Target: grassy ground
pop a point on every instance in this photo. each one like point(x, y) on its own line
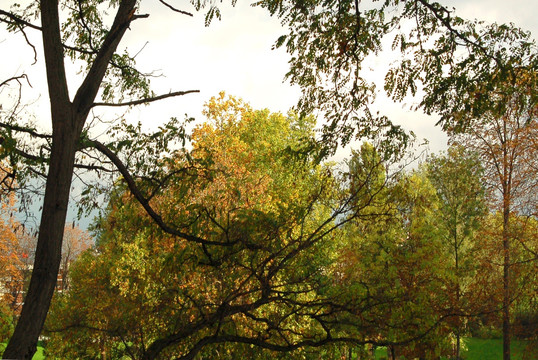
point(491, 349)
point(477, 349)
point(39, 355)
point(482, 349)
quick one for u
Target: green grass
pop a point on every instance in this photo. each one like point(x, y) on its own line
point(477, 349)
point(39, 355)
point(481, 349)
point(492, 349)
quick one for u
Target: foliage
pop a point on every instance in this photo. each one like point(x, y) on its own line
point(260, 213)
point(6, 323)
point(11, 258)
point(457, 178)
point(75, 242)
point(328, 41)
point(453, 61)
point(504, 137)
point(393, 262)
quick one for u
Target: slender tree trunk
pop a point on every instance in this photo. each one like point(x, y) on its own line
point(66, 129)
point(23, 343)
point(458, 336)
point(458, 344)
point(68, 118)
point(506, 193)
point(506, 286)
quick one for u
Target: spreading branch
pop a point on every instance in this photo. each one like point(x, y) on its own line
point(146, 100)
point(174, 9)
point(131, 183)
point(17, 20)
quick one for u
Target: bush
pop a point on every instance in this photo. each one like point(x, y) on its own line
point(6, 323)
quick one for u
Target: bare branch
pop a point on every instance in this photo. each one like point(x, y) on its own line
point(16, 78)
point(174, 9)
point(21, 28)
point(17, 20)
point(147, 100)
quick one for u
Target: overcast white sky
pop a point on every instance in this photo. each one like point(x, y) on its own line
point(233, 55)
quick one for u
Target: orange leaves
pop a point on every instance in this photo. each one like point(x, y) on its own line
point(11, 265)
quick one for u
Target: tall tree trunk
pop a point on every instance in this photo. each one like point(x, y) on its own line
point(506, 285)
point(68, 119)
point(65, 132)
point(507, 163)
point(23, 343)
point(458, 295)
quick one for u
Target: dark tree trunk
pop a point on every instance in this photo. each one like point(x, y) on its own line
point(48, 253)
point(506, 193)
point(68, 119)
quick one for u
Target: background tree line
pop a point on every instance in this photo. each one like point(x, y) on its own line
point(476, 77)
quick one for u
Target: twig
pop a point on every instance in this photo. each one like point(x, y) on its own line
point(147, 100)
point(174, 9)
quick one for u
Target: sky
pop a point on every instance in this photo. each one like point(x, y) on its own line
point(233, 55)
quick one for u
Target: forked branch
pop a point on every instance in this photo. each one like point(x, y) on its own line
point(131, 183)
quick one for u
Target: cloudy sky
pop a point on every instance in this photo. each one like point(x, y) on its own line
point(233, 55)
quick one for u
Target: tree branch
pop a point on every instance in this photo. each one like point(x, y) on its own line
point(87, 92)
point(144, 202)
point(147, 100)
point(174, 9)
point(16, 78)
point(29, 131)
point(54, 60)
point(17, 20)
point(446, 22)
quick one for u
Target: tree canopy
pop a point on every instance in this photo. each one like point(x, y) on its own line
point(454, 63)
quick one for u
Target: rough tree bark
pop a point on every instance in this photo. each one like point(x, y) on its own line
point(68, 118)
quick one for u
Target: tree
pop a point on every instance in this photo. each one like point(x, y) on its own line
point(75, 242)
point(504, 138)
point(393, 261)
point(457, 178)
point(68, 118)
point(242, 185)
point(272, 286)
point(327, 39)
point(11, 269)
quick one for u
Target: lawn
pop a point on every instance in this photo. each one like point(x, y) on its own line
point(39, 355)
point(486, 349)
point(481, 349)
point(477, 349)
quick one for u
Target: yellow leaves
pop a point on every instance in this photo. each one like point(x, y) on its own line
point(223, 111)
